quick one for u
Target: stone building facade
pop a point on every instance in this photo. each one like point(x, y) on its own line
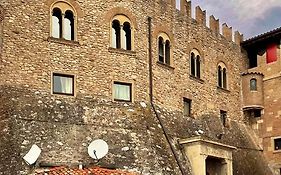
point(263, 108)
point(142, 75)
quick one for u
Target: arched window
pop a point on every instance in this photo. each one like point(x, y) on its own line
point(116, 41)
point(222, 76)
point(253, 84)
point(127, 30)
point(121, 33)
point(164, 49)
point(167, 52)
point(161, 49)
point(195, 61)
point(56, 23)
point(63, 21)
point(68, 25)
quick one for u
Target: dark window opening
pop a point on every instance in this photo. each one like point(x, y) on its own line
point(198, 66)
point(69, 29)
point(122, 91)
point(257, 113)
point(161, 49)
point(219, 77)
point(277, 144)
point(223, 117)
point(215, 165)
point(224, 78)
point(127, 29)
point(186, 107)
point(167, 52)
point(63, 84)
point(116, 34)
point(253, 59)
point(253, 84)
point(192, 62)
point(57, 23)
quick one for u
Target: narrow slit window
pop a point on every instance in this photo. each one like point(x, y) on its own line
point(219, 76)
point(186, 106)
point(224, 78)
point(198, 66)
point(223, 117)
point(253, 84)
point(192, 62)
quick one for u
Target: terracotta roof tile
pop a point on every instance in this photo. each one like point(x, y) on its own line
point(86, 171)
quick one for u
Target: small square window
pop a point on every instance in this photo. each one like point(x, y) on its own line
point(122, 91)
point(63, 84)
point(277, 144)
point(186, 106)
point(223, 116)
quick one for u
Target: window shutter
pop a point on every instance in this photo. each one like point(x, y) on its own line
point(271, 53)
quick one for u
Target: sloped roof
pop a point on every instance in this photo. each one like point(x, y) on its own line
point(85, 171)
point(265, 36)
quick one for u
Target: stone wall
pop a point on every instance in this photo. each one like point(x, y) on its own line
point(63, 126)
point(267, 126)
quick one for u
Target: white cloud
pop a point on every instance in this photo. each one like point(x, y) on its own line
point(249, 9)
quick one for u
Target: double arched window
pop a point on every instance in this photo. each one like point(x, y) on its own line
point(63, 21)
point(121, 33)
point(164, 49)
point(195, 61)
point(222, 75)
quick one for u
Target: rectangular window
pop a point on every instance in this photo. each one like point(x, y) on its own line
point(271, 53)
point(63, 84)
point(223, 116)
point(186, 106)
point(122, 91)
point(277, 144)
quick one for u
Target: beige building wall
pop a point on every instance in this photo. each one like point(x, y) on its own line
point(268, 125)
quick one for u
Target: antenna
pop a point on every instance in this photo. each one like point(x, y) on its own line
point(98, 149)
point(32, 155)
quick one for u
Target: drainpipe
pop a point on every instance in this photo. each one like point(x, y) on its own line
point(151, 98)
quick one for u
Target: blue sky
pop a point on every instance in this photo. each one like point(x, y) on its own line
point(249, 17)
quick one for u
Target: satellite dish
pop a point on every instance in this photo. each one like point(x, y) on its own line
point(98, 149)
point(32, 155)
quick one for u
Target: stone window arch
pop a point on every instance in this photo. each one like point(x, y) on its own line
point(222, 75)
point(164, 49)
point(195, 63)
point(253, 84)
point(63, 23)
point(122, 33)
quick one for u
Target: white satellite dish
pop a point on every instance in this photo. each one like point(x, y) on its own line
point(98, 149)
point(32, 155)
